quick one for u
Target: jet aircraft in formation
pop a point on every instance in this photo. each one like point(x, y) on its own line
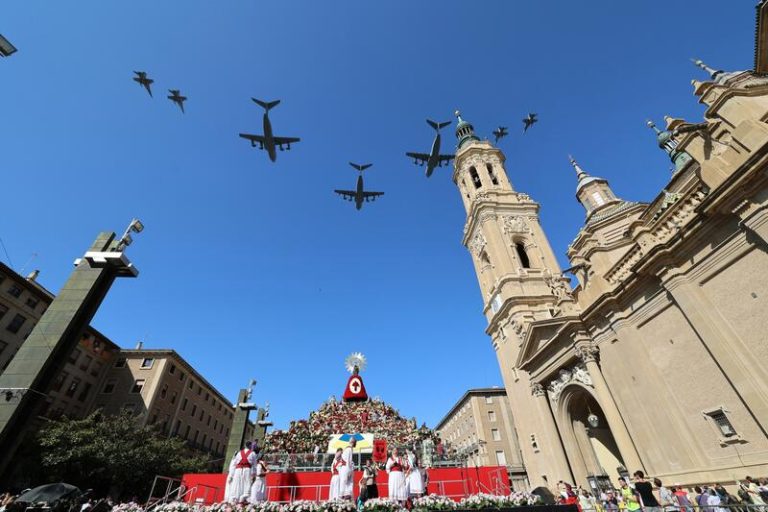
point(500, 132)
point(143, 80)
point(177, 98)
point(359, 194)
point(434, 158)
point(269, 141)
point(530, 120)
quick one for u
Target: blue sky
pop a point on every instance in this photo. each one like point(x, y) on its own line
point(253, 269)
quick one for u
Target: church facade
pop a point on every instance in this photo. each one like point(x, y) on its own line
point(658, 358)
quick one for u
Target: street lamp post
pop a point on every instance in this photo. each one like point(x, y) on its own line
point(42, 355)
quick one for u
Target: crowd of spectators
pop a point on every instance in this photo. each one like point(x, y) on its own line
point(641, 495)
point(337, 417)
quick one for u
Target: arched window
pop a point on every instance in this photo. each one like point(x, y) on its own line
point(475, 177)
point(484, 259)
point(489, 167)
point(522, 255)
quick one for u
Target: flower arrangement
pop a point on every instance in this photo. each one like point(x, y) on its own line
point(433, 502)
point(516, 499)
point(382, 505)
point(174, 506)
point(522, 499)
point(302, 506)
point(127, 507)
point(338, 506)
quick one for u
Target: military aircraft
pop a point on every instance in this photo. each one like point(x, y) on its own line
point(359, 195)
point(500, 132)
point(143, 80)
point(530, 120)
point(177, 98)
point(268, 140)
point(434, 158)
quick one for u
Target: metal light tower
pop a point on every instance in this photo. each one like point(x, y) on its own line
point(42, 355)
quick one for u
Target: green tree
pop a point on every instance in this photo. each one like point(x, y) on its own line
point(112, 454)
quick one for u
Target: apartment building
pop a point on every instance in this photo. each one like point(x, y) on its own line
point(480, 427)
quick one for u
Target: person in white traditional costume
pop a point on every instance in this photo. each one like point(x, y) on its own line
point(396, 469)
point(240, 474)
point(333, 491)
point(347, 471)
point(259, 487)
point(414, 477)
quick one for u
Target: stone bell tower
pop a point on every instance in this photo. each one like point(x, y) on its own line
point(520, 282)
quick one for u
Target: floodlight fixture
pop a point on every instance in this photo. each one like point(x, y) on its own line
point(136, 226)
point(6, 48)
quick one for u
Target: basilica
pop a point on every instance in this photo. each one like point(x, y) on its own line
point(657, 360)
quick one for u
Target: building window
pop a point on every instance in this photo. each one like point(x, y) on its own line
point(522, 255)
point(202, 442)
point(194, 410)
point(495, 435)
point(59, 382)
point(173, 398)
point(16, 324)
point(109, 387)
point(492, 175)
point(74, 356)
point(501, 459)
point(96, 370)
point(177, 428)
point(73, 387)
point(186, 432)
point(723, 424)
point(191, 384)
point(475, 177)
point(32, 302)
point(599, 201)
point(120, 363)
point(489, 399)
point(181, 376)
point(202, 414)
point(14, 291)
point(199, 390)
point(173, 369)
point(3, 310)
point(209, 421)
point(138, 386)
point(491, 416)
point(184, 405)
point(84, 393)
point(147, 363)
point(496, 303)
point(86, 363)
point(164, 391)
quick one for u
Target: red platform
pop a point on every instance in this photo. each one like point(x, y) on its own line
point(285, 487)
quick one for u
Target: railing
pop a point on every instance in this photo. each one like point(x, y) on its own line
point(301, 462)
point(174, 491)
point(319, 492)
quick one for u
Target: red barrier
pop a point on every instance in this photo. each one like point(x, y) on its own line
point(285, 487)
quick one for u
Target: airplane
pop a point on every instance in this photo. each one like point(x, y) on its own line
point(530, 120)
point(500, 132)
point(268, 140)
point(177, 98)
point(143, 80)
point(434, 158)
point(359, 195)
